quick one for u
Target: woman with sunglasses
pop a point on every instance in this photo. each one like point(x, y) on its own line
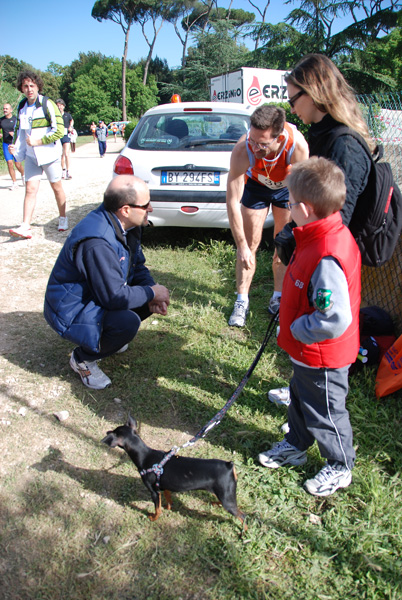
point(319, 95)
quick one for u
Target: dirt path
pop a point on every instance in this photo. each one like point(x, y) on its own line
point(25, 264)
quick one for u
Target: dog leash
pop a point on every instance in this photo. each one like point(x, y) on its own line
point(158, 468)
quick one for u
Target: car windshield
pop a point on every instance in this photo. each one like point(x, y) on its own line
point(181, 131)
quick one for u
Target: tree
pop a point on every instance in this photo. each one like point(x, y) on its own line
point(95, 91)
point(124, 13)
point(11, 68)
point(282, 47)
point(55, 69)
point(187, 10)
point(376, 66)
point(257, 30)
point(140, 97)
point(155, 12)
point(361, 33)
point(315, 18)
point(159, 69)
point(214, 53)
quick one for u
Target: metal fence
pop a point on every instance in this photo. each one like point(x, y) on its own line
point(383, 286)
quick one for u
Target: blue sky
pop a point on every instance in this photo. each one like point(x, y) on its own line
point(44, 31)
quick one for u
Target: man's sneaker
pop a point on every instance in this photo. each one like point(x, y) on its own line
point(122, 349)
point(239, 314)
point(23, 179)
point(63, 175)
point(23, 231)
point(282, 453)
point(63, 224)
point(274, 304)
point(68, 176)
point(14, 186)
point(91, 375)
point(329, 479)
point(280, 396)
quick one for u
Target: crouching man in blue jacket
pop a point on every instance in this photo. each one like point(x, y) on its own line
point(100, 290)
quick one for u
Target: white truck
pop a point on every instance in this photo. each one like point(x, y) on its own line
point(249, 86)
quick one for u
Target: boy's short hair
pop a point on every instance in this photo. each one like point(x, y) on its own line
point(319, 182)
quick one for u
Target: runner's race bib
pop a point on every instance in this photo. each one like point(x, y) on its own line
point(272, 185)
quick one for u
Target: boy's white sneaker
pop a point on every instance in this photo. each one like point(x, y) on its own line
point(329, 479)
point(280, 396)
point(282, 453)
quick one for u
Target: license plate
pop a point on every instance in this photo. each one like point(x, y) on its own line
point(190, 178)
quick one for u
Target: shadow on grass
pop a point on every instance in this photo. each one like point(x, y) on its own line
point(151, 377)
point(53, 545)
point(165, 385)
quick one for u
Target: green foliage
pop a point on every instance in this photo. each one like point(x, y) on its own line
point(140, 97)
point(315, 19)
point(214, 53)
point(9, 94)
point(11, 67)
point(282, 47)
point(292, 118)
point(130, 128)
point(96, 90)
point(51, 86)
point(122, 12)
point(163, 75)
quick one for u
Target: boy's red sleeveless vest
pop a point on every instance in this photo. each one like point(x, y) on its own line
point(326, 237)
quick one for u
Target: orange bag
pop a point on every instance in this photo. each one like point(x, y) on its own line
point(389, 374)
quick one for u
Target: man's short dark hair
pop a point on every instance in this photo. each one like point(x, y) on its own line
point(33, 77)
point(269, 117)
point(117, 196)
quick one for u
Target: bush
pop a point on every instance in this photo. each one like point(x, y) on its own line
point(130, 128)
point(291, 118)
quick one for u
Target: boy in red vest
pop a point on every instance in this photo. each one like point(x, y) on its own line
point(319, 326)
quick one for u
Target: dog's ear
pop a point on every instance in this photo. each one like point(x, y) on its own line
point(132, 423)
point(111, 439)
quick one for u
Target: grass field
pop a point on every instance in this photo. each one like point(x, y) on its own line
point(74, 513)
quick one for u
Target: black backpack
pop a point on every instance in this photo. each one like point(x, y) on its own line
point(376, 222)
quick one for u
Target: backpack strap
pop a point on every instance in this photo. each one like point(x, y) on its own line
point(345, 130)
point(21, 104)
point(44, 107)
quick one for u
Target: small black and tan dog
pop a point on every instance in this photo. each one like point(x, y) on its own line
point(180, 474)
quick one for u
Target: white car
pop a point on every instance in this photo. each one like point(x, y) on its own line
point(182, 151)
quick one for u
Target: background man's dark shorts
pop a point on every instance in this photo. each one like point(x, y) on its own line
point(258, 196)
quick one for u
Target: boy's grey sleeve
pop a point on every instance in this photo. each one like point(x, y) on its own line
point(329, 294)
